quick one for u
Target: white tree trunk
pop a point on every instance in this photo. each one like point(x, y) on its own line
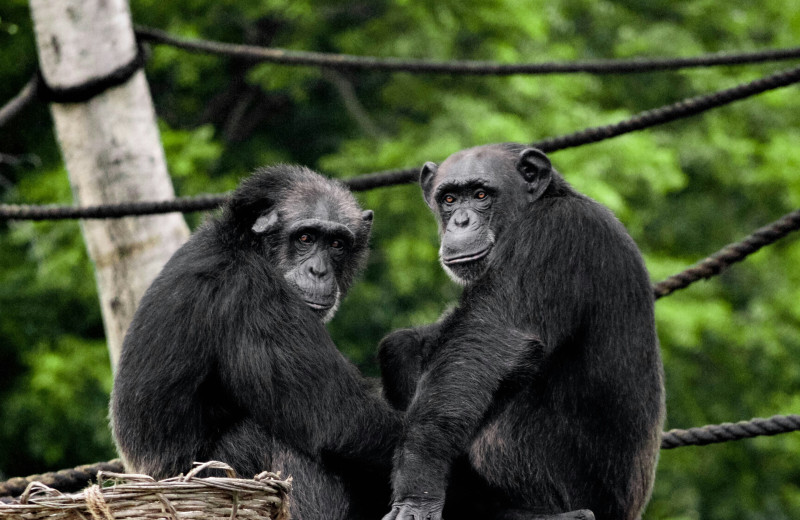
point(111, 148)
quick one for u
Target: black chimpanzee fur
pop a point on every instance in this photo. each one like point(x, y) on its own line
point(228, 358)
point(541, 394)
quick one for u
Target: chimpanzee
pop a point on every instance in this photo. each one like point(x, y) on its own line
point(227, 357)
point(541, 394)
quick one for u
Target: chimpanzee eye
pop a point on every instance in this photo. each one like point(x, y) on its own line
point(337, 244)
point(480, 195)
point(306, 238)
point(449, 199)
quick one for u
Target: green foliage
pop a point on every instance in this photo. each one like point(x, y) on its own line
point(730, 345)
point(67, 384)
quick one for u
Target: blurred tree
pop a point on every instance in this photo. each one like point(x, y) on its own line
point(684, 190)
point(112, 150)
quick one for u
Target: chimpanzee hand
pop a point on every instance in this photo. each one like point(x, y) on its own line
point(416, 508)
point(401, 355)
point(403, 341)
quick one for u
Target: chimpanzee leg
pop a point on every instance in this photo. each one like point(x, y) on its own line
point(521, 514)
point(244, 447)
point(317, 494)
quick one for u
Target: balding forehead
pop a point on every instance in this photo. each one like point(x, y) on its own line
point(320, 202)
point(486, 163)
point(321, 210)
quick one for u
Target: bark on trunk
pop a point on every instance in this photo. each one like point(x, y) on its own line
point(112, 150)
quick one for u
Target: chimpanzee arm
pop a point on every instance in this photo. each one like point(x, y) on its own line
point(365, 428)
point(453, 396)
point(284, 371)
point(402, 355)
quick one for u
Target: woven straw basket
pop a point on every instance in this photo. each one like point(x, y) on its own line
point(139, 496)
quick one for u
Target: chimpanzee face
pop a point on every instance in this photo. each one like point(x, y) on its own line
point(475, 193)
point(466, 206)
point(316, 252)
point(316, 242)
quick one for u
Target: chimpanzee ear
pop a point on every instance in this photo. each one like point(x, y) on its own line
point(366, 220)
point(535, 168)
point(426, 180)
point(267, 222)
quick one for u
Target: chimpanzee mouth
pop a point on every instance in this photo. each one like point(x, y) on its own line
point(465, 259)
point(319, 306)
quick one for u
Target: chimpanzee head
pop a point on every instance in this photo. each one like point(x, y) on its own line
point(476, 194)
point(309, 227)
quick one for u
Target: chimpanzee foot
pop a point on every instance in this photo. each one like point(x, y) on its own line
point(580, 514)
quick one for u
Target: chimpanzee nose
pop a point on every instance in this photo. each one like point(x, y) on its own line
point(461, 218)
point(317, 268)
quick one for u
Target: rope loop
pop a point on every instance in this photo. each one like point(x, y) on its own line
point(92, 87)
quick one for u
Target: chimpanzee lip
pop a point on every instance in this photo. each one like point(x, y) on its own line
point(465, 259)
point(318, 305)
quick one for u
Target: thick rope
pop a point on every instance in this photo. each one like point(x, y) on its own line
point(95, 85)
point(76, 478)
point(715, 433)
point(104, 211)
point(289, 57)
point(383, 179)
point(38, 87)
point(63, 480)
point(179, 204)
point(475, 68)
point(730, 254)
point(707, 268)
point(665, 114)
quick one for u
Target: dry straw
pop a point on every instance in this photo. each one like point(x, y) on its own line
point(128, 496)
